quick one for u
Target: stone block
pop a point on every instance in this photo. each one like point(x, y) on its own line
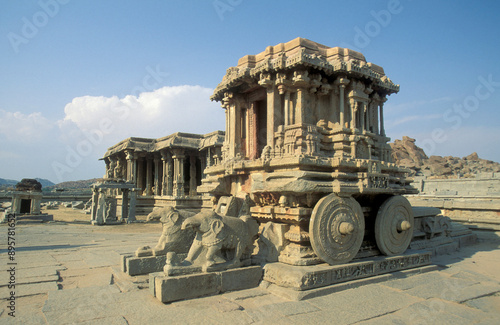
point(239, 279)
point(152, 277)
point(145, 265)
point(466, 240)
point(168, 289)
point(446, 248)
point(133, 265)
point(173, 288)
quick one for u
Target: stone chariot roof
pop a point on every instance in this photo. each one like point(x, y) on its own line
point(303, 52)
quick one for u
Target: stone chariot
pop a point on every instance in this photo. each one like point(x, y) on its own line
point(305, 140)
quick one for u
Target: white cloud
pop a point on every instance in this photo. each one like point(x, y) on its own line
point(8, 155)
point(19, 127)
point(93, 123)
point(151, 114)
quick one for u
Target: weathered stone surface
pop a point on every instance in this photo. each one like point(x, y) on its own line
point(173, 288)
point(271, 242)
point(144, 265)
point(30, 289)
point(309, 277)
point(168, 289)
point(350, 306)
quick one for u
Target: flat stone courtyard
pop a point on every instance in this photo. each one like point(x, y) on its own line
point(68, 272)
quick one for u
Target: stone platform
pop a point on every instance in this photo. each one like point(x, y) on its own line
point(309, 277)
point(174, 288)
point(29, 218)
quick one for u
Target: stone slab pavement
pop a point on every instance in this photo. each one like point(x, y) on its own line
point(69, 274)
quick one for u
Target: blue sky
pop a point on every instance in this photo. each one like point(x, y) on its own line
point(79, 76)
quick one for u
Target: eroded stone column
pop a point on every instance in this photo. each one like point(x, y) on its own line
point(124, 204)
point(164, 157)
point(382, 129)
point(140, 172)
point(252, 131)
point(353, 105)
point(149, 176)
point(157, 183)
point(300, 107)
point(129, 156)
point(93, 209)
point(361, 109)
point(343, 82)
point(286, 108)
point(273, 110)
point(132, 204)
point(192, 175)
point(178, 156)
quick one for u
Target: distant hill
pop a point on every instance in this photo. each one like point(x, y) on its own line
point(8, 183)
point(45, 182)
point(73, 185)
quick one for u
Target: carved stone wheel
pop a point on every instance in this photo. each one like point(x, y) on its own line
point(336, 229)
point(394, 226)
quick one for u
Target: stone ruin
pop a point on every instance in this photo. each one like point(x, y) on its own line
point(110, 197)
point(306, 167)
point(166, 171)
point(26, 202)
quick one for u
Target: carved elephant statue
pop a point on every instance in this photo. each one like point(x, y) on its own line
point(220, 241)
point(173, 238)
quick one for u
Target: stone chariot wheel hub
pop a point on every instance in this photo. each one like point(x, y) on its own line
point(394, 226)
point(336, 229)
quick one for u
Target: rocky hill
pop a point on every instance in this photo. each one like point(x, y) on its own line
point(405, 153)
point(11, 183)
point(74, 185)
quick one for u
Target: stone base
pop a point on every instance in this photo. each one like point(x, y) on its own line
point(108, 222)
point(133, 265)
point(29, 218)
point(310, 277)
point(291, 294)
point(173, 288)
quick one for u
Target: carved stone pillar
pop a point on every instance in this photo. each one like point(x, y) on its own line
point(353, 105)
point(382, 130)
point(93, 209)
point(233, 125)
point(124, 204)
point(157, 182)
point(131, 209)
point(273, 111)
point(252, 131)
point(140, 173)
point(129, 156)
point(149, 176)
point(343, 82)
point(362, 110)
point(192, 175)
point(209, 157)
point(164, 157)
point(286, 106)
point(170, 175)
point(300, 106)
point(178, 156)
